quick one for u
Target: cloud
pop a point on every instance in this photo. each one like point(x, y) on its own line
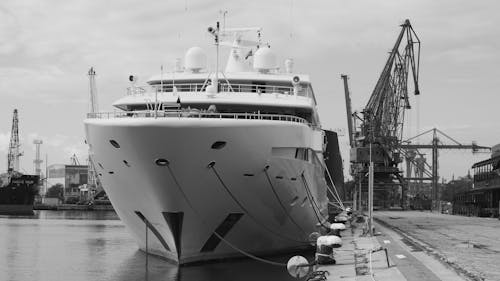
point(4, 142)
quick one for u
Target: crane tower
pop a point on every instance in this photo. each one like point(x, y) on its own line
point(378, 137)
point(14, 154)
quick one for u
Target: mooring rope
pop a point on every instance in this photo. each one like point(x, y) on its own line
point(212, 166)
point(313, 203)
point(234, 247)
point(335, 194)
point(281, 203)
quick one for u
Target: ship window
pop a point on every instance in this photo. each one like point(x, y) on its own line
point(111, 172)
point(302, 154)
point(126, 163)
point(248, 175)
point(162, 162)
point(114, 143)
point(218, 144)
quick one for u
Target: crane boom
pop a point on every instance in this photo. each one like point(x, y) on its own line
point(384, 112)
point(348, 107)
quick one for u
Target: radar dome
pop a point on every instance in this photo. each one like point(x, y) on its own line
point(195, 59)
point(265, 60)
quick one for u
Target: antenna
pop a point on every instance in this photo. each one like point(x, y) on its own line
point(223, 12)
point(215, 32)
point(93, 91)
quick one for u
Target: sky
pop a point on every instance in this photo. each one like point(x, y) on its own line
point(47, 47)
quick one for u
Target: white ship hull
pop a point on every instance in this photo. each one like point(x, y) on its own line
point(253, 209)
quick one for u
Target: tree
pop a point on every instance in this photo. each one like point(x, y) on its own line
point(55, 191)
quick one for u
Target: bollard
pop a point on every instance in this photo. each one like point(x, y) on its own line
point(324, 248)
point(336, 228)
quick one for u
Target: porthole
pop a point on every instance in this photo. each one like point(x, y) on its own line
point(114, 143)
point(111, 172)
point(100, 174)
point(126, 163)
point(162, 162)
point(279, 177)
point(248, 175)
point(218, 145)
point(293, 179)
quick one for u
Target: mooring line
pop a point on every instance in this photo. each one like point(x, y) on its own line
point(313, 203)
point(212, 166)
point(243, 252)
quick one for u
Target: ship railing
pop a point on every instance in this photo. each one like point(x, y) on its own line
point(195, 114)
point(224, 87)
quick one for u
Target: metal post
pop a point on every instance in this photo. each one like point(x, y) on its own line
point(360, 194)
point(435, 189)
point(217, 60)
point(355, 199)
point(370, 198)
point(147, 254)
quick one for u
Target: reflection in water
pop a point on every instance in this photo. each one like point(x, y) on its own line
point(91, 245)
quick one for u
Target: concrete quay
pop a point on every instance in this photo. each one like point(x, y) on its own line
point(406, 262)
point(355, 262)
point(468, 245)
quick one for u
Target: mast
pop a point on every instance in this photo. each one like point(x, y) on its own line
point(94, 107)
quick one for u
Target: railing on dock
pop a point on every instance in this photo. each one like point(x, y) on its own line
point(195, 114)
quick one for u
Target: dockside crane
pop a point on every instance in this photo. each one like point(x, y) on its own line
point(14, 153)
point(379, 135)
point(407, 147)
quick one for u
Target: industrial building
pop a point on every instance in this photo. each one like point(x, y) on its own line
point(484, 198)
point(73, 178)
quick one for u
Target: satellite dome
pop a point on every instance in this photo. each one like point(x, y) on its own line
point(195, 59)
point(265, 60)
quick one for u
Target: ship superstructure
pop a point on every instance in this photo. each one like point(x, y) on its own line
point(204, 165)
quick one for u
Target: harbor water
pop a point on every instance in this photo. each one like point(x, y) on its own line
point(87, 245)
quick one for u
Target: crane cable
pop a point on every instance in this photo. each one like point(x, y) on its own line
point(212, 167)
point(243, 252)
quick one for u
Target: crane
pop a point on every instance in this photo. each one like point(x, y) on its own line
point(380, 132)
point(14, 153)
point(435, 146)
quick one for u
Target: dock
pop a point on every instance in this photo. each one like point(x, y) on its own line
point(363, 257)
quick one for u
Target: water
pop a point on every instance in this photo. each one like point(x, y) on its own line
point(86, 245)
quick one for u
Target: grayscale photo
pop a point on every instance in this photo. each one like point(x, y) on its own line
point(290, 140)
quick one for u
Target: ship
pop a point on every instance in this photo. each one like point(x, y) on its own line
point(17, 190)
point(17, 193)
point(204, 165)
